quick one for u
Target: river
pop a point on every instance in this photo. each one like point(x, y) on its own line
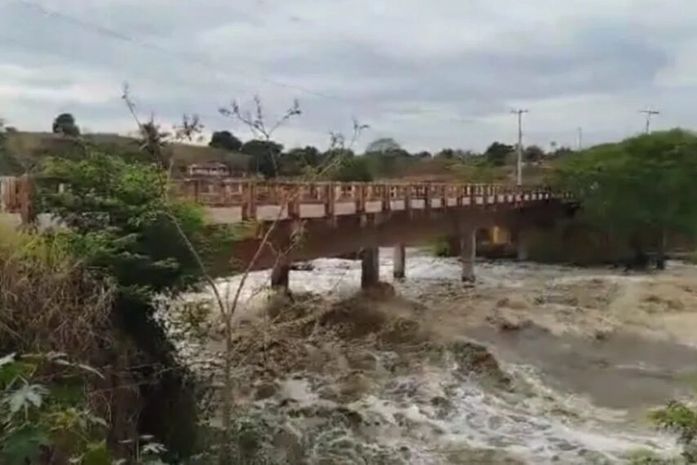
point(534, 364)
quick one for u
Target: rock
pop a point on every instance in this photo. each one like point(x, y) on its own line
point(265, 391)
point(476, 359)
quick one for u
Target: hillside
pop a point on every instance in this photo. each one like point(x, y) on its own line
point(22, 151)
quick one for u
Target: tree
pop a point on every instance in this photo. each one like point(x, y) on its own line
point(122, 225)
point(225, 140)
point(65, 124)
point(448, 154)
point(642, 188)
point(353, 169)
point(533, 153)
point(294, 162)
point(264, 156)
point(497, 153)
point(385, 144)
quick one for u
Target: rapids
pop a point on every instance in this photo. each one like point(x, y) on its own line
point(534, 364)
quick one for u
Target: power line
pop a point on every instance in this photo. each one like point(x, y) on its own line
point(117, 35)
point(519, 161)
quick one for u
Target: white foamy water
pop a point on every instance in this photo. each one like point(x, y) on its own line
point(545, 427)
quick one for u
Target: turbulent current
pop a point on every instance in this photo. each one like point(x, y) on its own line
point(534, 364)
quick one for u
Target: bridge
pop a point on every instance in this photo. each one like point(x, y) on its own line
point(298, 221)
point(281, 222)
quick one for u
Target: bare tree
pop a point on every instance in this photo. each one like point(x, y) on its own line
point(153, 143)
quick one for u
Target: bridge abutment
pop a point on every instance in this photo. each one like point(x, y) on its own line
point(370, 267)
point(468, 253)
point(399, 262)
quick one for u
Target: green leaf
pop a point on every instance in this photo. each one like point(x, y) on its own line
point(23, 446)
point(97, 454)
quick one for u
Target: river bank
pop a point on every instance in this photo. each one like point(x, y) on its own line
point(534, 364)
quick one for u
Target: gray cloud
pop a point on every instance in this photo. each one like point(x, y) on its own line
point(428, 75)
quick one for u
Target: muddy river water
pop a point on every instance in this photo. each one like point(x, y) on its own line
point(534, 364)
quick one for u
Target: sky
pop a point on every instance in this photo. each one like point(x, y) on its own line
point(429, 73)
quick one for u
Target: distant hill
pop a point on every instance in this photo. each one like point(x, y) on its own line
point(23, 151)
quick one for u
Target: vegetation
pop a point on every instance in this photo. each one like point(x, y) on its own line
point(124, 228)
point(225, 140)
point(641, 189)
point(679, 419)
point(65, 124)
point(54, 324)
point(45, 418)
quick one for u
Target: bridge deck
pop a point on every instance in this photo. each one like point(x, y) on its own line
point(234, 200)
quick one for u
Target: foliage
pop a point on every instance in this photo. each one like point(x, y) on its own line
point(264, 156)
point(45, 417)
point(497, 153)
point(298, 160)
point(533, 153)
point(65, 124)
point(477, 171)
point(354, 169)
point(73, 307)
point(121, 222)
point(385, 144)
point(641, 188)
point(442, 247)
point(123, 225)
point(680, 419)
point(225, 140)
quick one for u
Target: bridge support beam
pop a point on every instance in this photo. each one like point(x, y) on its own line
point(399, 262)
point(468, 253)
point(370, 267)
point(280, 275)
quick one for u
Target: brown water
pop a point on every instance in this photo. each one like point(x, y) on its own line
point(578, 356)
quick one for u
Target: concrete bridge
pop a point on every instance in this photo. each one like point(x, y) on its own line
point(307, 220)
point(279, 223)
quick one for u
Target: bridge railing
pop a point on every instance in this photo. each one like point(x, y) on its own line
point(352, 197)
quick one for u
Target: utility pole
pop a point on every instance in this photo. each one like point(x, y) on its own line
point(580, 137)
point(649, 113)
point(519, 164)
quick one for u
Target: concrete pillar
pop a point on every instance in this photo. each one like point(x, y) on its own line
point(399, 262)
point(370, 267)
point(468, 252)
point(280, 274)
point(521, 247)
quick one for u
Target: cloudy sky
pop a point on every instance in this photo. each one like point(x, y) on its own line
point(429, 73)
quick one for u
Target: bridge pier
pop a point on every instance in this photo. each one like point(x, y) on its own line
point(399, 262)
point(370, 267)
point(521, 246)
point(468, 253)
point(280, 275)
